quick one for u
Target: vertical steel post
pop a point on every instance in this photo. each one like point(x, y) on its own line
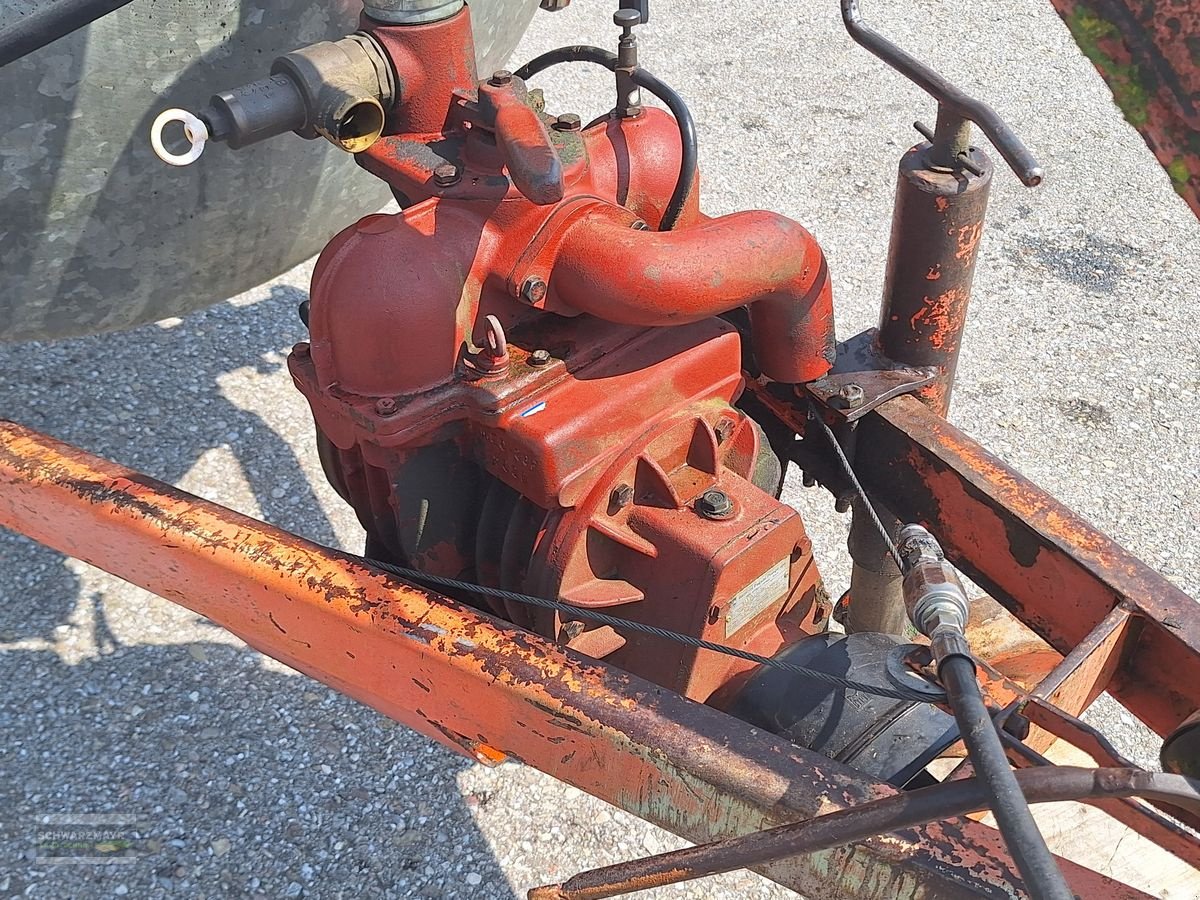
point(936, 228)
point(941, 199)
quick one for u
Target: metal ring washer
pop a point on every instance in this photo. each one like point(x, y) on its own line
point(902, 675)
point(193, 128)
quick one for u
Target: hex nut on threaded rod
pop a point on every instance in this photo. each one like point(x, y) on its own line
point(533, 290)
point(714, 504)
point(446, 175)
point(568, 122)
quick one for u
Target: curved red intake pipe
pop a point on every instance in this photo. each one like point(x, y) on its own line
point(761, 260)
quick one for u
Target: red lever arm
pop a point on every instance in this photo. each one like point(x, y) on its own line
point(523, 141)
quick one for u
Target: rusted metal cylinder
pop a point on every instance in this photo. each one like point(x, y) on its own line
point(876, 600)
point(936, 227)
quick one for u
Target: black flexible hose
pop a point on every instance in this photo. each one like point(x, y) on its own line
point(570, 53)
point(1036, 863)
point(938, 803)
point(648, 81)
point(48, 22)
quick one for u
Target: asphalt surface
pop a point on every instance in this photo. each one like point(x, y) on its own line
point(1080, 368)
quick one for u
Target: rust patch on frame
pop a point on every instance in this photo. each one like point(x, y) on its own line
point(482, 686)
point(1052, 569)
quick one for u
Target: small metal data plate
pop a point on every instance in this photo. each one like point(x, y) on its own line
point(757, 596)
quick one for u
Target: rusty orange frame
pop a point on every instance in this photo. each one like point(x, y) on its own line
point(491, 690)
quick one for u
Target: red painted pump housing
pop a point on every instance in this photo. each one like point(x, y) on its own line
point(520, 381)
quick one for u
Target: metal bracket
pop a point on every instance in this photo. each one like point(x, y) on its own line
point(862, 378)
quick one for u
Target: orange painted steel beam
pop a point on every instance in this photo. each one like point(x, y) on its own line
point(1055, 571)
point(487, 687)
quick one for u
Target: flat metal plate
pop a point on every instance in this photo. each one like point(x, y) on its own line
point(860, 362)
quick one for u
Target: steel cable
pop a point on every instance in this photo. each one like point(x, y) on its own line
point(815, 414)
point(425, 578)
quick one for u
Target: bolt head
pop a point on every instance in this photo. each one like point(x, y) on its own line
point(301, 349)
point(446, 174)
point(714, 504)
point(639, 225)
point(621, 496)
point(852, 395)
point(568, 122)
point(573, 629)
point(539, 358)
point(385, 406)
point(501, 77)
point(533, 290)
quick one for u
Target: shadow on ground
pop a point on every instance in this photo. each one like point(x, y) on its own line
point(247, 779)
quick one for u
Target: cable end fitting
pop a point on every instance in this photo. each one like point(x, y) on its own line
point(934, 597)
point(339, 90)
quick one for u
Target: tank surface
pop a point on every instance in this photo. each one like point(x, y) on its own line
point(96, 234)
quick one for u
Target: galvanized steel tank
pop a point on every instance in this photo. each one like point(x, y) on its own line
point(96, 234)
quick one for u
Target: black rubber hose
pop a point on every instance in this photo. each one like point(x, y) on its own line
point(48, 22)
point(648, 81)
point(571, 53)
point(1043, 879)
point(908, 809)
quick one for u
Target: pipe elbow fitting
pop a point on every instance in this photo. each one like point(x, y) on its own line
point(766, 262)
point(335, 89)
point(346, 85)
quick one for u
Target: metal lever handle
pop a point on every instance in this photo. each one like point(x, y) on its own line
point(951, 99)
point(523, 141)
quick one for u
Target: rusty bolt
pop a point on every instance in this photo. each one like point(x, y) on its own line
point(714, 504)
point(723, 430)
point(639, 225)
point(852, 395)
point(533, 290)
point(572, 629)
point(446, 174)
point(385, 406)
point(301, 349)
point(539, 358)
point(621, 496)
point(568, 122)
point(501, 77)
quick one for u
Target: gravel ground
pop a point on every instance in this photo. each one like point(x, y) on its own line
point(1080, 369)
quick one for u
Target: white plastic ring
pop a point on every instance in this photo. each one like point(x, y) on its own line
point(193, 128)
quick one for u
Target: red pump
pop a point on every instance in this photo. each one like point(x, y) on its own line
point(519, 381)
